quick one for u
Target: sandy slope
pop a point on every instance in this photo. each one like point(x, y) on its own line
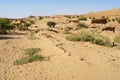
point(108, 13)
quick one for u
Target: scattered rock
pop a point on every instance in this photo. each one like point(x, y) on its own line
point(113, 60)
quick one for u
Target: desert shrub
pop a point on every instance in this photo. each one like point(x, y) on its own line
point(27, 25)
point(29, 59)
point(31, 56)
point(24, 26)
point(82, 18)
point(101, 40)
point(118, 19)
point(4, 25)
point(90, 37)
point(40, 18)
point(82, 25)
point(51, 24)
point(83, 36)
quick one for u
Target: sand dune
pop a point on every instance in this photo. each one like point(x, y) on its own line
point(108, 13)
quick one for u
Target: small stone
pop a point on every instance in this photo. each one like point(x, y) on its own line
point(81, 59)
point(113, 60)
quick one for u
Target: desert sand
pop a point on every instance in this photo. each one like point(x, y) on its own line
point(68, 60)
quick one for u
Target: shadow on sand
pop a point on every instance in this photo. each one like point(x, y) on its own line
point(6, 38)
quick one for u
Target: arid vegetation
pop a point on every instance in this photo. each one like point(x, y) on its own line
point(31, 56)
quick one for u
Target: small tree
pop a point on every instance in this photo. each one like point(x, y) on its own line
point(51, 24)
point(27, 25)
point(40, 18)
point(4, 25)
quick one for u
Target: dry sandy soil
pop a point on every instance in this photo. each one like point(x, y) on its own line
point(68, 60)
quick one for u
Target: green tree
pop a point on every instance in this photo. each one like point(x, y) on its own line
point(27, 25)
point(4, 25)
point(51, 24)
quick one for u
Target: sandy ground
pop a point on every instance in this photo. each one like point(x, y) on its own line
point(68, 60)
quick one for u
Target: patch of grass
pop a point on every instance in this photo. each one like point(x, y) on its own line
point(90, 37)
point(31, 56)
point(29, 59)
point(31, 51)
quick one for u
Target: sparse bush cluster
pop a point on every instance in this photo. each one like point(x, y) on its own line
point(31, 56)
point(24, 25)
point(90, 37)
point(51, 24)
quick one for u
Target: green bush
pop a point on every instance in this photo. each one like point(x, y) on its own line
point(90, 37)
point(40, 17)
point(101, 40)
point(83, 36)
point(29, 59)
point(82, 25)
point(118, 19)
point(27, 25)
point(4, 25)
point(82, 18)
point(51, 24)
